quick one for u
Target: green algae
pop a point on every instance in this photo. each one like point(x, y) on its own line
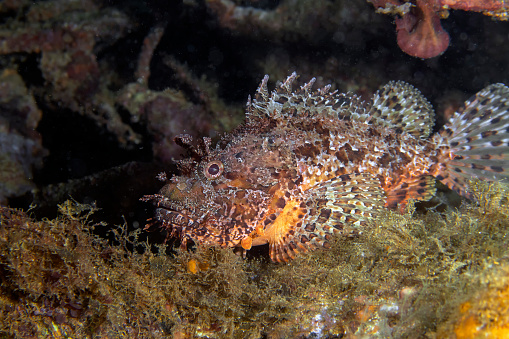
point(404, 276)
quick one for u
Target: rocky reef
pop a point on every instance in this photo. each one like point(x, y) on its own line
point(92, 93)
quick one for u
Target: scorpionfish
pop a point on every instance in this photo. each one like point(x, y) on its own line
point(307, 164)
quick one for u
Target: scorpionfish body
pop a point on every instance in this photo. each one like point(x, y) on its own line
point(307, 164)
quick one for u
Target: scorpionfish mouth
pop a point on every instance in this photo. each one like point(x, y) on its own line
point(223, 219)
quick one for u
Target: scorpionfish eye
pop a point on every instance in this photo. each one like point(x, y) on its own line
point(213, 169)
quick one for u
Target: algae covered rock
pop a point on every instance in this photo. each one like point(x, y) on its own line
point(420, 273)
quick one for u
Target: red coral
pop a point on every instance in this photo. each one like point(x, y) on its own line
point(474, 5)
point(420, 33)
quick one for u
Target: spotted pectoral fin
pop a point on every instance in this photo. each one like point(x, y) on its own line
point(478, 138)
point(338, 205)
point(417, 188)
point(401, 106)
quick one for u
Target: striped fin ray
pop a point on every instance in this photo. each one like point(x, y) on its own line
point(420, 188)
point(478, 138)
point(340, 205)
point(401, 106)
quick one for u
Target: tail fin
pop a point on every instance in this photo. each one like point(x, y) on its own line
point(477, 140)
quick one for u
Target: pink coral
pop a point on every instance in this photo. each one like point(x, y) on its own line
point(420, 33)
point(474, 5)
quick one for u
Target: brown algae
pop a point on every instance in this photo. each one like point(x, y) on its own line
point(416, 274)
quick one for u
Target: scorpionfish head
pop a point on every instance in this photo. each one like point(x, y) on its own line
point(224, 194)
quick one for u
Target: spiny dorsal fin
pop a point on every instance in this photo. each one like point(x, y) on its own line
point(306, 89)
point(283, 103)
point(478, 138)
point(339, 205)
point(286, 87)
point(262, 93)
point(402, 107)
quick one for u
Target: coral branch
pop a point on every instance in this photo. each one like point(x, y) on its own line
point(474, 5)
point(149, 45)
point(420, 33)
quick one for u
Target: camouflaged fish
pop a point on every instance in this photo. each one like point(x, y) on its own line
point(307, 164)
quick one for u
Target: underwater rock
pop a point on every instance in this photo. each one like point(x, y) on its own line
point(21, 149)
point(68, 35)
